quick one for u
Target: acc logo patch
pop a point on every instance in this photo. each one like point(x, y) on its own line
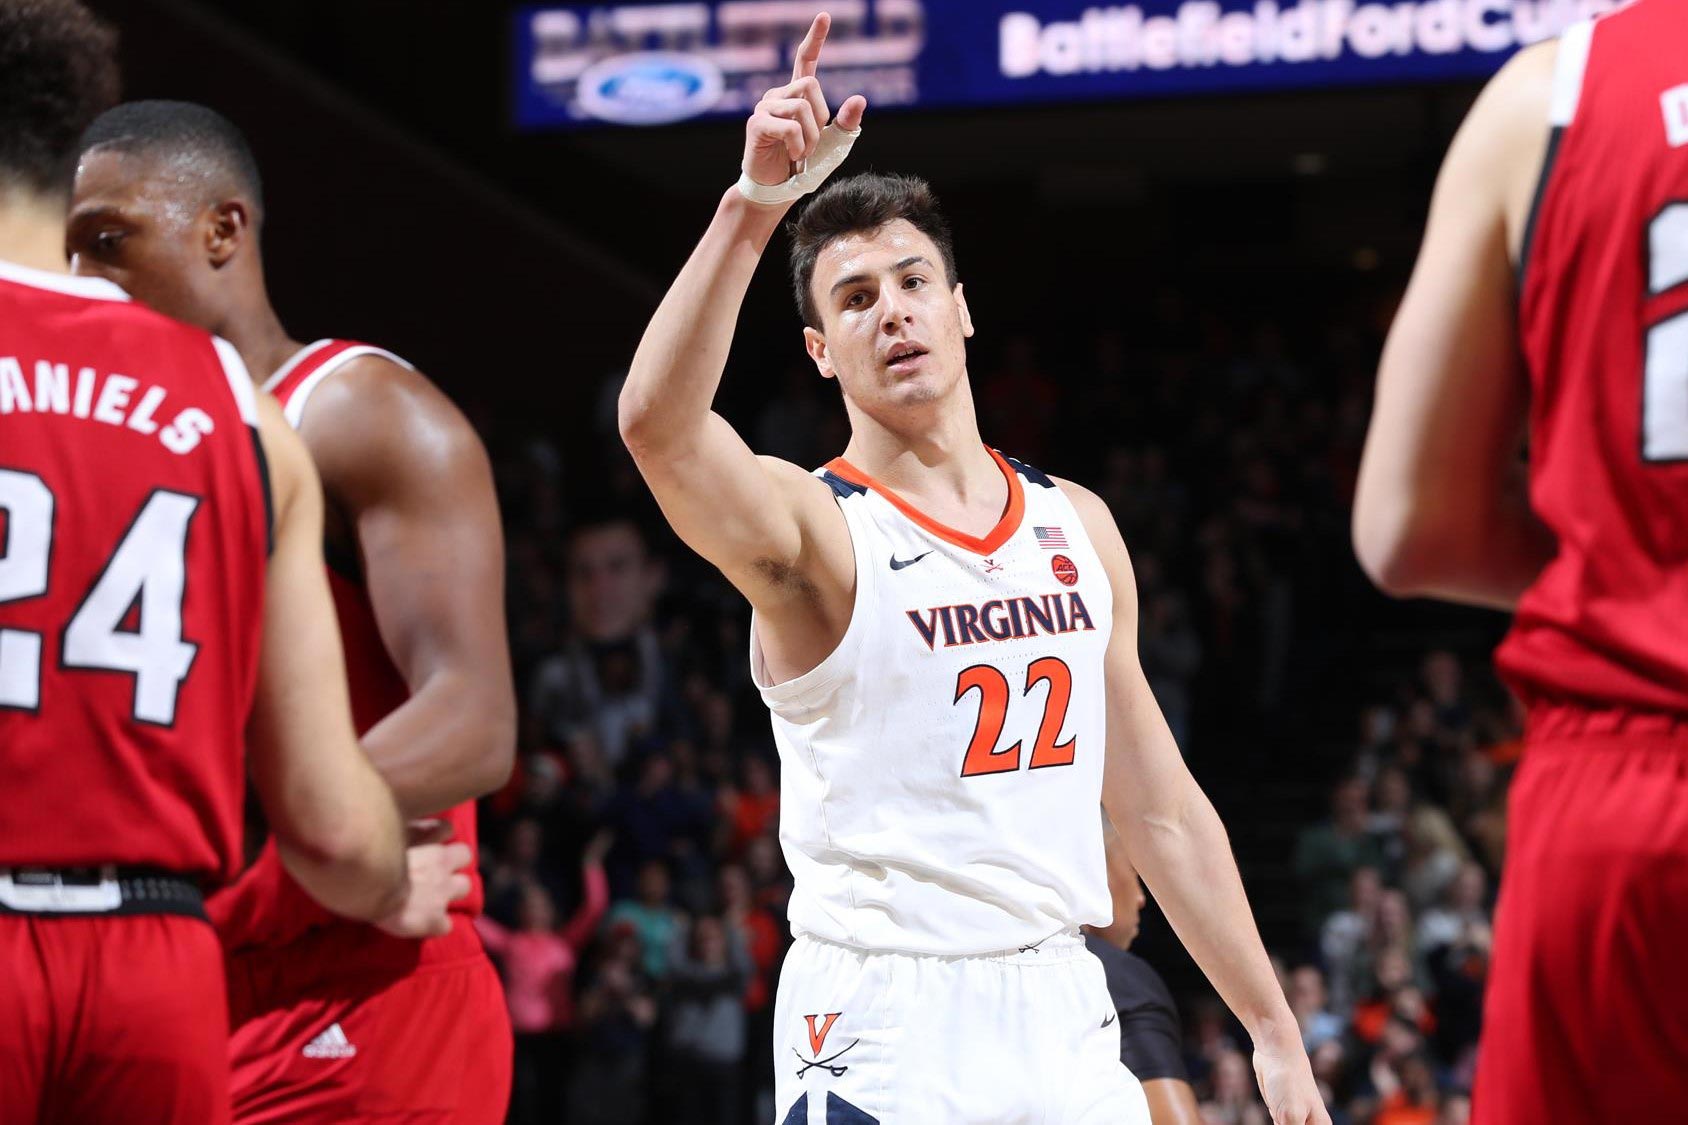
point(1065, 572)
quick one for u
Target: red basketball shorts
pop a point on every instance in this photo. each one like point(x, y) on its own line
point(1586, 1017)
point(347, 1025)
point(112, 1021)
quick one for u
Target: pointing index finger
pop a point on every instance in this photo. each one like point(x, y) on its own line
point(809, 51)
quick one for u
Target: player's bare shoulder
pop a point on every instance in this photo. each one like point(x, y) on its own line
point(825, 567)
point(377, 419)
point(1098, 519)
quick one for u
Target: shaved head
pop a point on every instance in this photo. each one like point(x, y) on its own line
point(198, 145)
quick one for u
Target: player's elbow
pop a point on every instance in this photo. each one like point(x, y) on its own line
point(495, 754)
point(637, 418)
point(1393, 549)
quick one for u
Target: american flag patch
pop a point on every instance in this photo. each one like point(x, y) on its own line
point(1050, 538)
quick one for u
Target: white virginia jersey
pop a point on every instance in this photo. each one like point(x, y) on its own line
point(941, 769)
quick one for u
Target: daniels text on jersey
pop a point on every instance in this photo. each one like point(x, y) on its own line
point(109, 399)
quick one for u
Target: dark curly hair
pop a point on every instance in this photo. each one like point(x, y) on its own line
point(861, 203)
point(58, 71)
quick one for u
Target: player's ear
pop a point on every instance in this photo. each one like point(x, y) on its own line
point(815, 344)
point(230, 227)
point(966, 314)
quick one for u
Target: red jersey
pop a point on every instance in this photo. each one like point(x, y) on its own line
point(1603, 319)
point(268, 907)
point(134, 538)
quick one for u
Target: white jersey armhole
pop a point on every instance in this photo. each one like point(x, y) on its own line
point(295, 408)
point(240, 380)
point(842, 658)
point(1568, 70)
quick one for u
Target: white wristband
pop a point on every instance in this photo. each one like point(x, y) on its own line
point(830, 151)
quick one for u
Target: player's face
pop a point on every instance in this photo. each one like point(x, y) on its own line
point(131, 224)
point(893, 329)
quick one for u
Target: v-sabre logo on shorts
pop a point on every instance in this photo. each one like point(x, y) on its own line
point(817, 1044)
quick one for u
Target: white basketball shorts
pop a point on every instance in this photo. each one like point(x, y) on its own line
point(1022, 1037)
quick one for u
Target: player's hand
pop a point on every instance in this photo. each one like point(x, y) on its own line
point(437, 879)
point(786, 126)
point(1287, 1083)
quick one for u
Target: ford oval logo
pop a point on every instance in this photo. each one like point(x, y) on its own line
point(649, 88)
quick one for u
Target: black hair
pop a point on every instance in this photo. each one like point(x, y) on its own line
point(179, 129)
point(856, 204)
point(58, 70)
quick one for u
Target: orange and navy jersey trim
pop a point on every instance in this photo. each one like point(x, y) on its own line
point(1004, 530)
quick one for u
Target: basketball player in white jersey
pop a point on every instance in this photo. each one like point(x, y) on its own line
point(946, 639)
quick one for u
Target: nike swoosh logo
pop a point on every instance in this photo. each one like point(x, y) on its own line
point(898, 564)
point(1108, 1021)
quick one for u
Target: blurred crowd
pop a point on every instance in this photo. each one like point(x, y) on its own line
point(1397, 888)
point(636, 890)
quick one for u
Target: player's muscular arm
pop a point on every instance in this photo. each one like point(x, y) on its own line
point(1441, 508)
point(407, 473)
point(1176, 841)
point(752, 517)
point(335, 823)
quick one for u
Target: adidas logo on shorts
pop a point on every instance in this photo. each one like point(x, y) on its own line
point(331, 1044)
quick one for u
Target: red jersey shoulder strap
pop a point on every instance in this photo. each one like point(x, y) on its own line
point(294, 380)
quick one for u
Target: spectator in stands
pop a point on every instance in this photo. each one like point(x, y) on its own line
point(616, 1015)
point(707, 1037)
point(537, 961)
point(751, 809)
point(1463, 905)
point(656, 925)
point(610, 679)
point(661, 817)
point(1307, 999)
point(520, 863)
point(1171, 653)
point(1330, 1063)
point(1392, 997)
point(769, 880)
point(1345, 934)
point(1327, 855)
point(1414, 1098)
point(1435, 854)
point(1392, 800)
point(1233, 1100)
point(1444, 685)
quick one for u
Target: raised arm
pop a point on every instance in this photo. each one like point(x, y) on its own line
point(416, 489)
point(749, 516)
point(1441, 509)
point(335, 823)
point(1174, 839)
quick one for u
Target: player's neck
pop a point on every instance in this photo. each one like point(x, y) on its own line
point(32, 232)
point(945, 454)
point(257, 334)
